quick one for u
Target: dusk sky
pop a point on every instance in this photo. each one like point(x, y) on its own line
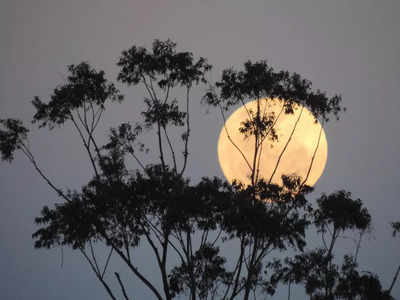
point(349, 47)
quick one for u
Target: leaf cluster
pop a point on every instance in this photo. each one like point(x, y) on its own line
point(206, 269)
point(12, 135)
point(340, 210)
point(324, 280)
point(259, 80)
point(317, 269)
point(85, 87)
point(164, 65)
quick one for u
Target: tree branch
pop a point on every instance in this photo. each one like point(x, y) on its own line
point(170, 148)
point(312, 159)
point(396, 275)
point(186, 153)
point(107, 262)
point(121, 285)
point(286, 145)
point(94, 257)
point(85, 144)
point(31, 158)
point(232, 142)
point(131, 267)
point(110, 293)
point(265, 136)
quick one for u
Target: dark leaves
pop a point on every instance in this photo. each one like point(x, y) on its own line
point(313, 269)
point(276, 215)
point(340, 210)
point(259, 80)
point(163, 113)
point(123, 137)
point(259, 125)
point(85, 87)
point(396, 228)
point(355, 285)
point(207, 268)
point(164, 65)
point(11, 137)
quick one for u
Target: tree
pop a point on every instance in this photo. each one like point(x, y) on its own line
point(184, 225)
point(316, 269)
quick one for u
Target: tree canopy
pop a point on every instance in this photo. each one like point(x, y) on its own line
point(185, 225)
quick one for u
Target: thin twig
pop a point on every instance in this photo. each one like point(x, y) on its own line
point(167, 94)
point(217, 238)
point(396, 275)
point(171, 148)
point(248, 112)
point(358, 245)
point(138, 161)
point(122, 286)
point(85, 144)
point(107, 261)
point(312, 159)
point(232, 142)
point(185, 152)
point(94, 257)
point(266, 134)
point(98, 275)
point(31, 158)
point(286, 145)
point(132, 267)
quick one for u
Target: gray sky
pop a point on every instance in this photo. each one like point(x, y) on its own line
point(346, 47)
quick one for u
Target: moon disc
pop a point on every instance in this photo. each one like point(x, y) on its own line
point(308, 138)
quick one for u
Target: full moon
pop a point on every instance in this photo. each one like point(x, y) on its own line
point(300, 149)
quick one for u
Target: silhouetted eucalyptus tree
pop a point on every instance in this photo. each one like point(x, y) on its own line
point(261, 82)
point(184, 224)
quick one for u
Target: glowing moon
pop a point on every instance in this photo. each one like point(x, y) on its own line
point(306, 152)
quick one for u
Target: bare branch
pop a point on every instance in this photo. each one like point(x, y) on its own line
point(248, 112)
point(170, 147)
point(107, 262)
point(31, 158)
point(86, 144)
point(265, 136)
point(186, 153)
point(152, 89)
point(237, 271)
point(153, 97)
point(98, 275)
point(396, 275)
point(138, 161)
point(286, 145)
point(167, 94)
point(94, 257)
point(312, 159)
point(133, 268)
point(358, 245)
point(121, 285)
point(232, 142)
point(217, 238)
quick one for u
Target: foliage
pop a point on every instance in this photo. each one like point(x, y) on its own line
point(259, 80)
point(11, 137)
point(186, 225)
point(317, 270)
point(85, 88)
point(396, 228)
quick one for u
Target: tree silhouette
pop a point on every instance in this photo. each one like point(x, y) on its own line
point(185, 225)
point(316, 269)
